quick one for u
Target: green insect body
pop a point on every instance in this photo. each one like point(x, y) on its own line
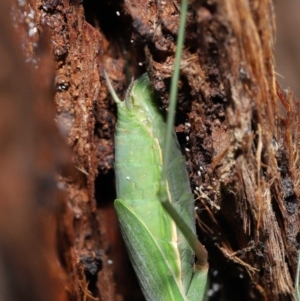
point(161, 256)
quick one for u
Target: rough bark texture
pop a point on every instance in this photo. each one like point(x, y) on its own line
point(241, 141)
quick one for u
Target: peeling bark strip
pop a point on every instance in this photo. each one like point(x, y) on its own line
point(79, 99)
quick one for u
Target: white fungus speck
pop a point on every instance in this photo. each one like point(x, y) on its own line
point(61, 186)
point(31, 14)
point(215, 273)
point(210, 293)
point(22, 2)
point(32, 31)
point(216, 287)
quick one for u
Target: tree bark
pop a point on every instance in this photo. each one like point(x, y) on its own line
point(238, 130)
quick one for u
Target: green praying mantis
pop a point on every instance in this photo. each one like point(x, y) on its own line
point(157, 246)
point(154, 200)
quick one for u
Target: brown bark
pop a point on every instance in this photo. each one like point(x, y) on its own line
point(242, 146)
